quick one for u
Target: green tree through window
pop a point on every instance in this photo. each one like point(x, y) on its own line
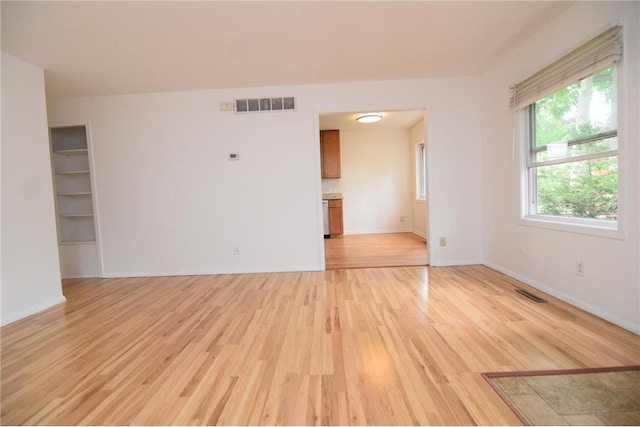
point(573, 162)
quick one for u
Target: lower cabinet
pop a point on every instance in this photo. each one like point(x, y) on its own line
point(335, 217)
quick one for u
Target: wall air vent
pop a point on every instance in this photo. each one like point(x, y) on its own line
point(254, 105)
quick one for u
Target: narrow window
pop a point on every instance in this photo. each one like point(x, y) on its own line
point(421, 172)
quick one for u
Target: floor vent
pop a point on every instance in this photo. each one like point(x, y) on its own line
point(254, 105)
point(530, 295)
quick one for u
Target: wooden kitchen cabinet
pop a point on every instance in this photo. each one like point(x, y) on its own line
point(330, 153)
point(335, 217)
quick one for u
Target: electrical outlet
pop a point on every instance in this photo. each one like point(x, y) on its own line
point(579, 268)
point(236, 250)
point(443, 241)
point(401, 219)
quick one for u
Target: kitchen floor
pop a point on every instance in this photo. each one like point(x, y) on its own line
point(375, 250)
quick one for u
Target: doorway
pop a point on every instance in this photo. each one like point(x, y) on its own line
point(384, 203)
point(375, 250)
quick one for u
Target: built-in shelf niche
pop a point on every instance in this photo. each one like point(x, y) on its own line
point(72, 182)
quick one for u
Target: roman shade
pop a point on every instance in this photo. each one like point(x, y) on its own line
point(596, 55)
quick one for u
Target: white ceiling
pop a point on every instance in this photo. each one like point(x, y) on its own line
point(391, 120)
point(104, 48)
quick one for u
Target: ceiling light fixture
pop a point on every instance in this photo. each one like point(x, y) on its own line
point(369, 117)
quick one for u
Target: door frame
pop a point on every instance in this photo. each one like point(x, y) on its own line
point(359, 108)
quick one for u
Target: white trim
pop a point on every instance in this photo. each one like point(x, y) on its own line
point(318, 173)
point(429, 229)
point(89, 276)
point(629, 326)
point(453, 263)
point(574, 225)
point(575, 159)
point(171, 273)
point(94, 197)
point(32, 310)
point(380, 231)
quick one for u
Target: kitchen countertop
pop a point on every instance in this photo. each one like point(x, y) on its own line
point(331, 196)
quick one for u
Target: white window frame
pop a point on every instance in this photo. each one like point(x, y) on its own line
point(421, 171)
point(596, 227)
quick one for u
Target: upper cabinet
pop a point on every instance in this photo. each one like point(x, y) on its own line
point(330, 153)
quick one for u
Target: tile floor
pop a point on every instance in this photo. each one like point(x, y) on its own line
point(598, 398)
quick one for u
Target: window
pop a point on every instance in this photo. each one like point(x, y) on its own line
point(572, 164)
point(421, 172)
point(570, 167)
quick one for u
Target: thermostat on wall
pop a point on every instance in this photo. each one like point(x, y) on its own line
point(234, 156)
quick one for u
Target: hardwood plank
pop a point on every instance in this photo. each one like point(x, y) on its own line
point(393, 346)
point(375, 250)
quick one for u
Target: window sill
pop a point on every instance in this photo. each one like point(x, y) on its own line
point(593, 228)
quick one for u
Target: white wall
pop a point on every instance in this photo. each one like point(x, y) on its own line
point(169, 200)
point(418, 207)
point(171, 203)
point(610, 287)
point(30, 267)
point(375, 181)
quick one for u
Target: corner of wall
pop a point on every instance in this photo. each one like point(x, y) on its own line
point(30, 265)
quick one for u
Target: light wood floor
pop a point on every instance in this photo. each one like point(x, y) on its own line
point(375, 250)
point(392, 346)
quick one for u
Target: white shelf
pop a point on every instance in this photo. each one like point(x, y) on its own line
point(72, 152)
point(77, 215)
point(72, 173)
point(74, 204)
point(83, 193)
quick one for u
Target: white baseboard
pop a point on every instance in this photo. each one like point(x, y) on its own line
point(169, 273)
point(451, 263)
point(380, 231)
point(629, 326)
point(32, 310)
point(83, 276)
